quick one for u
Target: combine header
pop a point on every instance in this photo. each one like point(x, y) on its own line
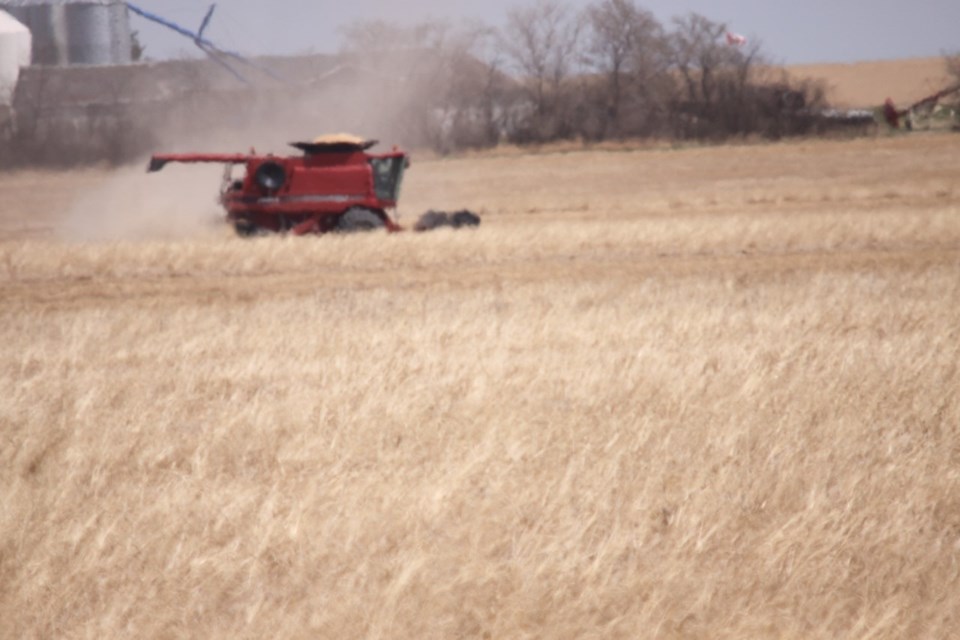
point(334, 186)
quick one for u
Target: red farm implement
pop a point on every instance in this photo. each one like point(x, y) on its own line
point(334, 186)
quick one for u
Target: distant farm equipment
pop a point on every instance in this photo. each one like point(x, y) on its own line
point(924, 113)
point(334, 186)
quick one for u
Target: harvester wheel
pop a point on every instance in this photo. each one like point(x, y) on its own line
point(359, 219)
point(245, 228)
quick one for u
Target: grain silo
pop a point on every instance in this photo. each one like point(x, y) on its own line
point(68, 32)
point(14, 54)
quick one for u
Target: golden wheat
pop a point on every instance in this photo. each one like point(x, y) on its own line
point(702, 393)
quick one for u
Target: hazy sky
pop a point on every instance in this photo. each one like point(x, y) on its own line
point(792, 31)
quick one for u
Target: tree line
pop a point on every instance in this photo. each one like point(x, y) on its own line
point(611, 71)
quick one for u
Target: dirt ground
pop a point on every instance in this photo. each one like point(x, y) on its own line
point(703, 392)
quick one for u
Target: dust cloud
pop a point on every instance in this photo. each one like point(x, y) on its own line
point(131, 204)
point(180, 201)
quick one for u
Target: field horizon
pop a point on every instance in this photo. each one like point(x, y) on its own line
point(659, 393)
point(868, 83)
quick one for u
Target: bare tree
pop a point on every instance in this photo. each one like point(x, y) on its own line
point(541, 41)
point(953, 65)
point(137, 48)
point(366, 36)
point(468, 89)
point(443, 77)
point(480, 92)
point(624, 43)
point(717, 79)
point(696, 52)
point(953, 68)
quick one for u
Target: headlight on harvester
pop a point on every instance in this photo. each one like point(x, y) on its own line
point(270, 175)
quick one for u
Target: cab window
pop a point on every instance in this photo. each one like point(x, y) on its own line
point(387, 175)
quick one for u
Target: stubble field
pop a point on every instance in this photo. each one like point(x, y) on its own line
point(695, 393)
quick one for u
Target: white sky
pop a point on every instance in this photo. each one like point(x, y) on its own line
point(792, 31)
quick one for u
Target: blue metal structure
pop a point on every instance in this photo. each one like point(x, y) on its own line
point(75, 32)
point(215, 53)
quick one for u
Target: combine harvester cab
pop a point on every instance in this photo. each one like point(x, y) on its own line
point(334, 186)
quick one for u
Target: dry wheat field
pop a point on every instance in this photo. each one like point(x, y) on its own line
point(868, 83)
point(659, 393)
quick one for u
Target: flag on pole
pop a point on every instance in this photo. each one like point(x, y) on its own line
point(735, 39)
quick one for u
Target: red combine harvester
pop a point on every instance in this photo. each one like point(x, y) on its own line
point(334, 186)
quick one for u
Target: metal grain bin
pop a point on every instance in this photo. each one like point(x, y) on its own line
point(69, 32)
point(14, 54)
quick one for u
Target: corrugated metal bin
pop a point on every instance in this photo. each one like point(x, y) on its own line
point(67, 32)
